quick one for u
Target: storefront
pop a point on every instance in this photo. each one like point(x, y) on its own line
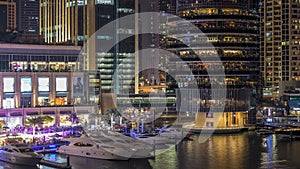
point(43, 91)
point(14, 119)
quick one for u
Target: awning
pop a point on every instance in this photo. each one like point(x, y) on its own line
point(44, 94)
point(32, 113)
point(82, 112)
point(49, 113)
point(16, 114)
point(62, 94)
point(65, 112)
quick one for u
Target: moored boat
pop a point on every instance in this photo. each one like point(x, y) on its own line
point(85, 147)
point(264, 132)
point(137, 148)
point(21, 155)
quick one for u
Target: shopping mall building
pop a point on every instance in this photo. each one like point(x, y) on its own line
point(47, 80)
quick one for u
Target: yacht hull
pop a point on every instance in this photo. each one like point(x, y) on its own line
point(90, 149)
point(133, 147)
point(20, 160)
point(90, 153)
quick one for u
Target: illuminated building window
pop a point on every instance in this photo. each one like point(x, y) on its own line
point(232, 11)
point(43, 101)
point(61, 101)
point(125, 10)
point(209, 115)
point(234, 119)
point(105, 2)
point(8, 102)
point(209, 124)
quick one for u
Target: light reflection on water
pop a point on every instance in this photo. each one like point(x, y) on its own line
point(219, 151)
point(237, 151)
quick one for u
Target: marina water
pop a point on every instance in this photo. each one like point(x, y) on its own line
point(235, 151)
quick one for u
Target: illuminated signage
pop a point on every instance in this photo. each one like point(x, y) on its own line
point(106, 2)
point(61, 84)
point(26, 84)
point(43, 84)
point(8, 84)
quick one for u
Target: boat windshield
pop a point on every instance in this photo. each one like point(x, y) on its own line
point(26, 150)
point(81, 144)
point(108, 147)
point(106, 140)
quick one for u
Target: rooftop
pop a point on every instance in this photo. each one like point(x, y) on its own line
point(9, 48)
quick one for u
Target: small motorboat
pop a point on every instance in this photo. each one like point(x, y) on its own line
point(21, 155)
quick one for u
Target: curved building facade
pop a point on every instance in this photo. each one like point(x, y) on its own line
point(231, 26)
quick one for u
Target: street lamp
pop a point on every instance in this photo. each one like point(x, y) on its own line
point(153, 121)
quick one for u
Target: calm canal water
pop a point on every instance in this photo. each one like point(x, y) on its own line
point(236, 151)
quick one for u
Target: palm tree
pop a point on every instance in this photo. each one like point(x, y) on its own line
point(38, 121)
point(94, 118)
point(2, 123)
point(111, 113)
point(73, 118)
point(33, 121)
point(47, 119)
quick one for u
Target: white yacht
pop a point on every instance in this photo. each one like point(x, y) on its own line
point(21, 155)
point(176, 133)
point(86, 147)
point(163, 136)
point(137, 148)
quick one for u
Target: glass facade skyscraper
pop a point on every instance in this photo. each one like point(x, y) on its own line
point(76, 21)
point(28, 14)
point(118, 64)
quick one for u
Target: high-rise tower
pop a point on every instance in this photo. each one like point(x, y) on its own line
point(8, 20)
point(279, 44)
point(117, 64)
point(231, 27)
point(28, 14)
point(63, 21)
